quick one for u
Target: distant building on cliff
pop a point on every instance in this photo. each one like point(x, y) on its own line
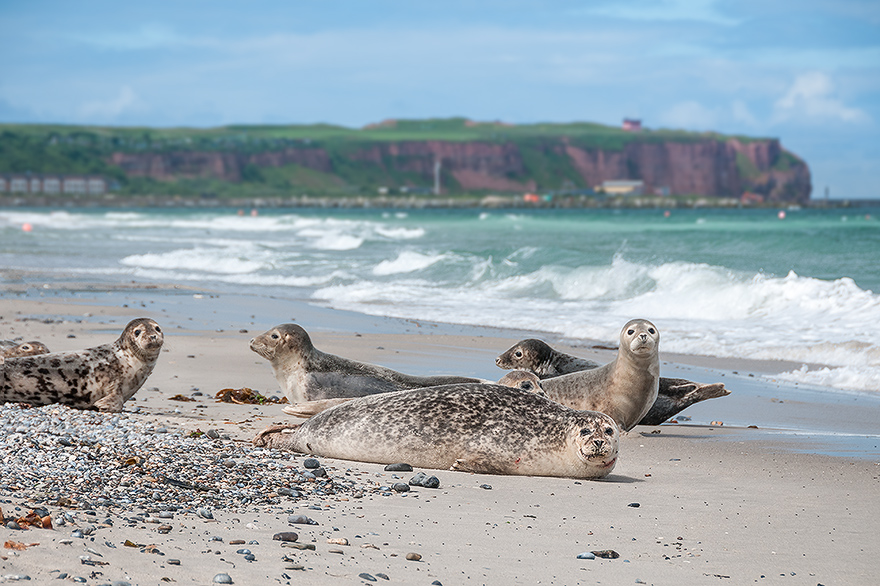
point(632, 125)
point(53, 184)
point(622, 187)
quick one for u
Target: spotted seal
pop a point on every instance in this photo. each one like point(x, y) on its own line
point(673, 396)
point(307, 374)
point(482, 428)
point(12, 349)
point(625, 388)
point(101, 378)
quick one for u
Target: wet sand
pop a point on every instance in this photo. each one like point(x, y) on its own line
point(716, 504)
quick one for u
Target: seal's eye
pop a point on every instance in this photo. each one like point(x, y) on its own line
point(137, 332)
point(630, 332)
point(651, 331)
point(158, 329)
point(585, 431)
point(25, 347)
point(518, 353)
point(526, 385)
point(275, 336)
point(609, 431)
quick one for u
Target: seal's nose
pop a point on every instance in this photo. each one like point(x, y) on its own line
point(598, 443)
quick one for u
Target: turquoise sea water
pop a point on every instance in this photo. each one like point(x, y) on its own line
point(730, 283)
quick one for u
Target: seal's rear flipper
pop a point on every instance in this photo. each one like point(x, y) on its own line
point(310, 408)
point(270, 435)
point(678, 395)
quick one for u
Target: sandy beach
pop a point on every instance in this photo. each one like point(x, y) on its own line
point(690, 503)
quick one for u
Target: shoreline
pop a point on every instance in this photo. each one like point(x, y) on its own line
point(714, 503)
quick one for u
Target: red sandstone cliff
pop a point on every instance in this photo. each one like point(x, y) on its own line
point(707, 166)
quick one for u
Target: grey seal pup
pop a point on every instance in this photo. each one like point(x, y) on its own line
point(481, 428)
point(305, 374)
point(12, 349)
point(673, 395)
point(100, 378)
point(625, 388)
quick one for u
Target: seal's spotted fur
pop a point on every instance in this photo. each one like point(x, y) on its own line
point(102, 378)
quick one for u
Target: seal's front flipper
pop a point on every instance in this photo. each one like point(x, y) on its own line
point(308, 409)
point(475, 465)
point(112, 403)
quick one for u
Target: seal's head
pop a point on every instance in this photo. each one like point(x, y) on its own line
point(522, 380)
point(525, 355)
point(143, 337)
point(641, 337)
point(26, 349)
point(282, 339)
point(597, 440)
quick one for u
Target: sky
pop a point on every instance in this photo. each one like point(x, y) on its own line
point(806, 72)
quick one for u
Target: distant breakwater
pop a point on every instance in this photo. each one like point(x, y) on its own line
point(404, 202)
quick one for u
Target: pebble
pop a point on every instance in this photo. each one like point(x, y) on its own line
point(301, 520)
point(608, 554)
point(587, 555)
point(413, 557)
point(119, 462)
point(383, 576)
point(636, 505)
point(285, 536)
point(401, 467)
point(173, 562)
point(367, 577)
point(400, 487)
point(223, 579)
point(486, 486)
point(311, 463)
point(425, 481)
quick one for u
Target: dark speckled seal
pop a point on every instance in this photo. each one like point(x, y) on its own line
point(101, 378)
point(673, 395)
point(305, 373)
point(482, 428)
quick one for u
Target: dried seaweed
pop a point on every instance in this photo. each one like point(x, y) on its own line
point(246, 396)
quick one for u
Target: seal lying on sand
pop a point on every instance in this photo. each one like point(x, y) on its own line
point(515, 379)
point(625, 388)
point(307, 374)
point(101, 378)
point(482, 428)
point(673, 396)
point(11, 349)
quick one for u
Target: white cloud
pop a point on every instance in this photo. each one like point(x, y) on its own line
point(690, 115)
point(812, 96)
point(101, 110)
point(653, 10)
point(741, 113)
point(147, 36)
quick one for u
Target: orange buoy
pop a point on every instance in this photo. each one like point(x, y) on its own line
point(26, 227)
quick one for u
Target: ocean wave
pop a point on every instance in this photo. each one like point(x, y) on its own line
point(407, 261)
point(853, 378)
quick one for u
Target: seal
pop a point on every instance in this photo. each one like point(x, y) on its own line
point(673, 396)
point(516, 379)
point(625, 388)
point(481, 428)
point(304, 373)
point(100, 378)
point(523, 380)
point(537, 356)
point(12, 349)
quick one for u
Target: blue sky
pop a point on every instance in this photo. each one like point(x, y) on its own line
point(807, 72)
